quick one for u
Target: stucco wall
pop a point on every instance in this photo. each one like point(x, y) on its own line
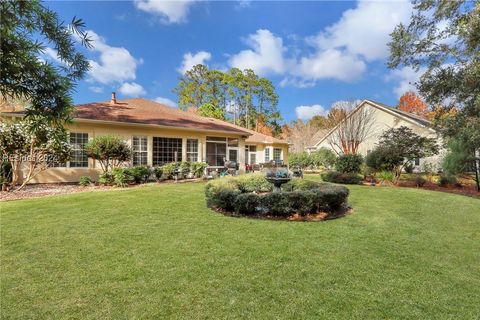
point(383, 121)
point(126, 132)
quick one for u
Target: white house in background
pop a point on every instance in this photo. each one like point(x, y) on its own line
point(384, 118)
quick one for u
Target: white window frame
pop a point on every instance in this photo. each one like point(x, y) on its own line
point(68, 164)
point(140, 138)
point(192, 152)
point(280, 158)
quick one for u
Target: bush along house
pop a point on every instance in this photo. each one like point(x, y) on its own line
point(159, 134)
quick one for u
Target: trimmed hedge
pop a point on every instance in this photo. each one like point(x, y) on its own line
point(242, 196)
point(339, 177)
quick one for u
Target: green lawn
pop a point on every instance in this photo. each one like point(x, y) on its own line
point(158, 252)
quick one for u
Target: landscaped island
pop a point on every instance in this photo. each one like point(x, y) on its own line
point(252, 195)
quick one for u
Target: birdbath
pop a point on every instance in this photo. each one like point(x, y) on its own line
point(277, 176)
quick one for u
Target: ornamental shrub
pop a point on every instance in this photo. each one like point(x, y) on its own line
point(246, 203)
point(110, 151)
point(158, 173)
point(197, 169)
point(254, 182)
point(323, 158)
point(349, 163)
point(339, 177)
point(85, 181)
point(276, 204)
point(420, 181)
point(106, 179)
point(301, 185)
point(386, 177)
point(121, 178)
point(139, 174)
point(168, 169)
point(299, 159)
point(445, 180)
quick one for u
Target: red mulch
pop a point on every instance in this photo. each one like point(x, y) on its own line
point(320, 216)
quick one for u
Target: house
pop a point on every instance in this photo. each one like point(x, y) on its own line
point(384, 118)
point(159, 134)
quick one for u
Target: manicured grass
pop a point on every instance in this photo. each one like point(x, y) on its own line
point(157, 252)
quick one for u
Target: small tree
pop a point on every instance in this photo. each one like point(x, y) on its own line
point(352, 129)
point(461, 159)
point(299, 159)
point(110, 151)
point(323, 158)
point(349, 163)
point(34, 142)
point(404, 146)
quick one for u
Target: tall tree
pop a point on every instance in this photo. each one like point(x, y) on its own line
point(242, 95)
point(443, 39)
point(411, 103)
point(27, 28)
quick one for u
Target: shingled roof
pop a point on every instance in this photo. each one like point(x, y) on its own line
point(143, 111)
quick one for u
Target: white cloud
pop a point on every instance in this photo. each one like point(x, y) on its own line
point(52, 54)
point(132, 89)
point(405, 79)
point(166, 102)
point(332, 64)
point(307, 112)
point(116, 64)
point(365, 30)
point(265, 57)
point(168, 11)
point(190, 60)
point(96, 89)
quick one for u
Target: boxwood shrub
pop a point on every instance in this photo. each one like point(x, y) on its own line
point(233, 194)
point(339, 177)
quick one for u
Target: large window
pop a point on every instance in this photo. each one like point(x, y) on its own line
point(165, 150)
point(277, 154)
point(267, 154)
point(140, 153)
point(78, 157)
point(192, 150)
point(250, 154)
point(216, 151)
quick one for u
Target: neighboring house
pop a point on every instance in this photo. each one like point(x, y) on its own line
point(384, 118)
point(159, 134)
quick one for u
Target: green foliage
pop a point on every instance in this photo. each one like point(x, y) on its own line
point(385, 177)
point(158, 173)
point(109, 150)
point(198, 169)
point(210, 111)
point(446, 179)
point(381, 159)
point(403, 143)
point(459, 158)
point(420, 181)
point(121, 178)
point(297, 196)
point(35, 142)
point(85, 181)
point(106, 178)
point(5, 174)
point(168, 170)
point(45, 86)
point(409, 166)
point(349, 163)
point(340, 177)
point(213, 91)
point(323, 158)
point(139, 174)
point(254, 182)
point(246, 203)
point(299, 159)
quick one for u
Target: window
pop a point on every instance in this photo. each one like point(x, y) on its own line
point(277, 154)
point(417, 161)
point(78, 157)
point(140, 153)
point(192, 150)
point(216, 153)
point(267, 154)
point(250, 154)
point(233, 155)
point(253, 158)
point(166, 150)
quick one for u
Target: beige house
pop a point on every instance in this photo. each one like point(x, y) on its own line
point(159, 134)
point(384, 118)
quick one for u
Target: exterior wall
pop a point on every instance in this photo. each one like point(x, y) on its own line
point(383, 121)
point(126, 132)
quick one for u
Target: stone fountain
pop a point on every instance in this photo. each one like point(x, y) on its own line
point(277, 176)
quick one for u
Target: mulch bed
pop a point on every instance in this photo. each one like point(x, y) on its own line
point(320, 216)
point(469, 190)
point(50, 189)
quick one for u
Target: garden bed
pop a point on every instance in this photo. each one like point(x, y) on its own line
point(299, 200)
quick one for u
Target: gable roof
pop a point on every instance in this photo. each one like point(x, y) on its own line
point(412, 118)
point(143, 111)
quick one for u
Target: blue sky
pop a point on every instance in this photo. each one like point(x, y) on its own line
point(315, 53)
